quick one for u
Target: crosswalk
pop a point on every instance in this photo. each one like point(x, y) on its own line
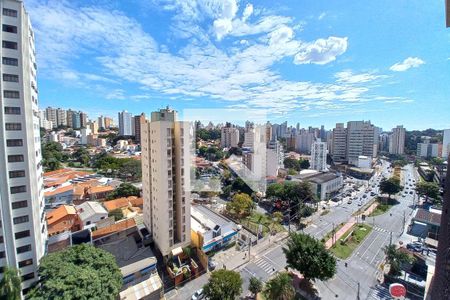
point(380, 229)
point(379, 292)
point(265, 265)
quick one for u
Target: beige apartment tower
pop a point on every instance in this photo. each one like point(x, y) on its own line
point(166, 155)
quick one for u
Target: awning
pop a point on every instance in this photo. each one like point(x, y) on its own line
point(177, 251)
point(431, 242)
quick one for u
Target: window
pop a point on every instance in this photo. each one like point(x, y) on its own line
point(19, 220)
point(22, 234)
point(1, 240)
point(11, 110)
point(13, 126)
point(11, 78)
point(2, 254)
point(25, 263)
point(11, 94)
point(18, 189)
point(23, 249)
point(28, 276)
point(10, 12)
point(9, 28)
point(9, 45)
point(14, 143)
point(15, 158)
point(10, 61)
point(19, 204)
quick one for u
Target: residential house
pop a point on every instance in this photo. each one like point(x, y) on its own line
point(61, 219)
point(90, 212)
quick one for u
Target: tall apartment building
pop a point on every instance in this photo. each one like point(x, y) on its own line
point(125, 123)
point(52, 116)
point(69, 117)
point(94, 127)
point(359, 138)
point(76, 120)
point(229, 136)
point(339, 153)
point(268, 132)
point(446, 144)
point(101, 122)
point(108, 122)
point(61, 117)
point(427, 149)
point(23, 230)
point(319, 156)
point(83, 119)
point(303, 142)
point(166, 158)
point(137, 126)
point(397, 140)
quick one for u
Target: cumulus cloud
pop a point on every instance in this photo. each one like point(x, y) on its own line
point(248, 11)
point(410, 62)
point(321, 51)
point(347, 76)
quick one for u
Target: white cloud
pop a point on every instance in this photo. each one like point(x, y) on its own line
point(122, 51)
point(410, 62)
point(321, 51)
point(247, 12)
point(321, 16)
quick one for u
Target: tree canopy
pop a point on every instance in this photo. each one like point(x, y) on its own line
point(125, 189)
point(78, 272)
point(309, 256)
point(296, 164)
point(52, 156)
point(390, 186)
point(396, 258)
point(125, 167)
point(255, 285)
point(207, 134)
point(428, 189)
point(241, 205)
point(223, 285)
point(10, 284)
point(280, 287)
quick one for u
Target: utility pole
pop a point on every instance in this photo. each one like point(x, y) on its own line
point(404, 222)
point(358, 297)
point(249, 247)
point(390, 238)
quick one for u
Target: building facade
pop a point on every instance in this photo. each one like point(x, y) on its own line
point(125, 123)
point(229, 137)
point(23, 230)
point(137, 127)
point(166, 157)
point(397, 140)
point(319, 156)
point(339, 143)
point(446, 144)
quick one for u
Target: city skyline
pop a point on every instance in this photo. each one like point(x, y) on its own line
point(312, 60)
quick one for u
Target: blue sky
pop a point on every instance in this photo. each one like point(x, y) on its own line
point(314, 62)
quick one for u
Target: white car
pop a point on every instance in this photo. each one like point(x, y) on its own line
point(197, 295)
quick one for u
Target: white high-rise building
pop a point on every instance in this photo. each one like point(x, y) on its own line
point(339, 143)
point(229, 137)
point(166, 158)
point(397, 140)
point(52, 116)
point(61, 117)
point(303, 142)
point(362, 139)
point(446, 144)
point(319, 156)
point(23, 230)
point(125, 123)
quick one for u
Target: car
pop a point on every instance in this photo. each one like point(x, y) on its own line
point(211, 265)
point(349, 202)
point(198, 295)
point(415, 246)
point(411, 192)
point(359, 203)
point(372, 194)
point(238, 227)
point(365, 196)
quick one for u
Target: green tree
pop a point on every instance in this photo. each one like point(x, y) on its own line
point(255, 286)
point(396, 258)
point(124, 190)
point(81, 155)
point(79, 272)
point(241, 205)
point(280, 287)
point(390, 186)
point(309, 256)
point(223, 285)
point(291, 163)
point(131, 168)
point(117, 214)
point(304, 164)
point(10, 284)
point(427, 189)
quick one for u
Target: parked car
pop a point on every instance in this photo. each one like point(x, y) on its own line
point(349, 202)
point(198, 295)
point(211, 265)
point(411, 192)
point(365, 196)
point(415, 246)
point(372, 194)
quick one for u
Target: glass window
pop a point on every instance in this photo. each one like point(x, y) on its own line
point(10, 12)
point(28, 276)
point(19, 204)
point(22, 234)
point(9, 45)
point(23, 249)
point(11, 78)
point(14, 143)
point(9, 28)
point(19, 220)
point(11, 110)
point(11, 94)
point(10, 61)
point(25, 263)
point(15, 158)
point(13, 126)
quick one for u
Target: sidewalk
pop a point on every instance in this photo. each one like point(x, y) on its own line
point(340, 232)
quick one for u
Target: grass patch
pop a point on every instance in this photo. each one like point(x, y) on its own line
point(383, 207)
point(355, 236)
point(266, 221)
point(330, 234)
